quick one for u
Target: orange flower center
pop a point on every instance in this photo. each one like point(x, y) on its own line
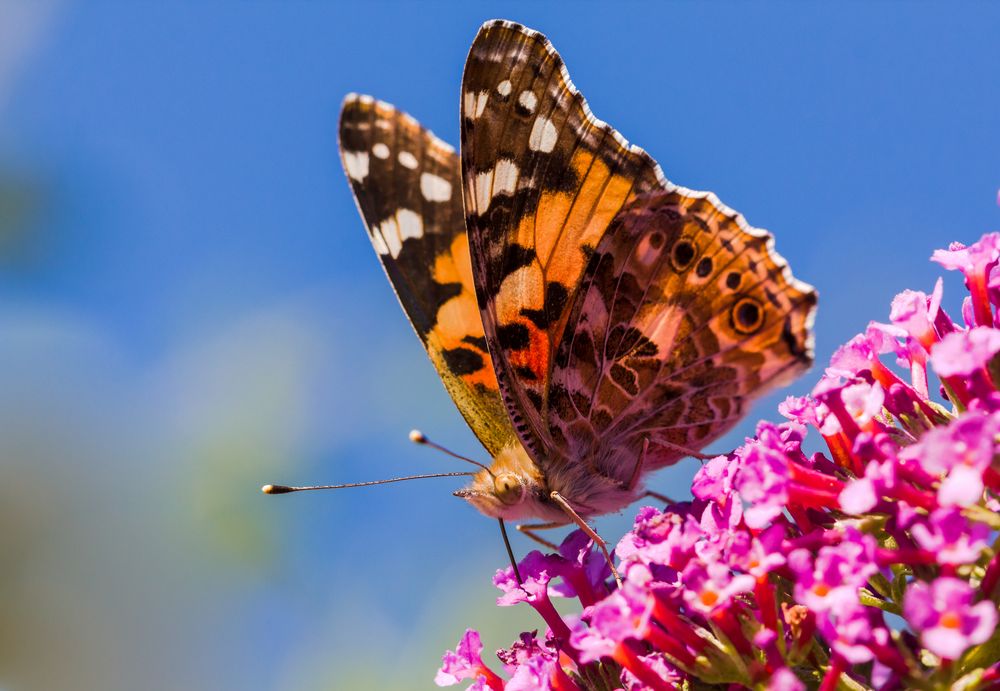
point(950, 620)
point(709, 597)
point(821, 589)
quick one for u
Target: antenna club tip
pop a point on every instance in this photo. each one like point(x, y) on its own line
point(417, 437)
point(275, 489)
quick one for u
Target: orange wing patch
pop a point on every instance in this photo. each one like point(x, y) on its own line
point(563, 226)
point(542, 181)
point(407, 185)
point(457, 340)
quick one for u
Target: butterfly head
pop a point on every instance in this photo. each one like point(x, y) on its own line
point(511, 489)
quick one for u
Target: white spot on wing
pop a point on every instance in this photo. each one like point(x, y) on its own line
point(408, 159)
point(503, 88)
point(389, 230)
point(502, 179)
point(543, 135)
point(528, 100)
point(505, 178)
point(410, 224)
point(380, 150)
point(395, 229)
point(356, 163)
point(475, 103)
point(379, 243)
point(435, 188)
point(484, 184)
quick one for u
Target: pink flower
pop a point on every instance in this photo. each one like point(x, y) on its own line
point(622, 615)
point(963, 352)
point(764, 553)
point(831, 581)
point(860, 354)
point(803, 410)
point(972, 259)
point(944, 615)
point(662, 539)
point(762, 483)
point(536, 569)
point(951, 537)
point(863, 401)
point(714, 480)
point(853, 404)
point(975, 262)
point(710, 587)
point(861, 495)
point(851, 631)
point(531, 666)
point(960, 452)
point(524, 648)
point(584, 570)
point(915, 312)
point(466, 663)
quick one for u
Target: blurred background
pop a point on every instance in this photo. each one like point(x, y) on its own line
point(189, 307)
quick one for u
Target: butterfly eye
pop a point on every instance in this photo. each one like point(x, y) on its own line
point(747, 316)
point(507, 488)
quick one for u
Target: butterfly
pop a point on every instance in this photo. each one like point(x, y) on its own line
point(592, 321)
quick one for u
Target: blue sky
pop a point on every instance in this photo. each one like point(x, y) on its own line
point(191, 307)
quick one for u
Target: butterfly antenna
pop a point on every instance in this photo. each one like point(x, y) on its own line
point(418, 437)
point(285, 489)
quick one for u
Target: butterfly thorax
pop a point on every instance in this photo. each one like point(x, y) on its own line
point(515, 488)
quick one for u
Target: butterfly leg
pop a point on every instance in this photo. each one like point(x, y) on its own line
point(687, 452)
point(530, 529)
point(637, 471)
point(591, 533)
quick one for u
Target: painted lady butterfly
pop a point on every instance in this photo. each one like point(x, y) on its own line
point(592, 321)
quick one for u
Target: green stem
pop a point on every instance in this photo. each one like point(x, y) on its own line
point(870, 600)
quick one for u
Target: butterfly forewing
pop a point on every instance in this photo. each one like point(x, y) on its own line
point(542, 181)
point(407, 186)
point(619, 308)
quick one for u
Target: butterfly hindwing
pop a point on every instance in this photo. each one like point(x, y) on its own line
point(685, 315)
point(407, 185)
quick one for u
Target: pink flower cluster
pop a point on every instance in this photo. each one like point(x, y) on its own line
point(870, 564)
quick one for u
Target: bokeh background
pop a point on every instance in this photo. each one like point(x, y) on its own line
point(189, 307)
